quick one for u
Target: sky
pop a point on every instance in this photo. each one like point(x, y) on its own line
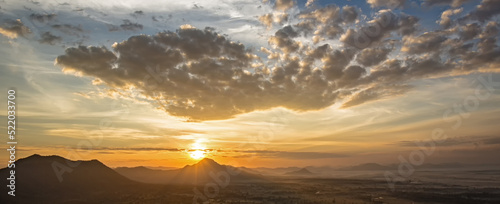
point(253, 83)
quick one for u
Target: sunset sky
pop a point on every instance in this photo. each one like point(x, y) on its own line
point(252, 83)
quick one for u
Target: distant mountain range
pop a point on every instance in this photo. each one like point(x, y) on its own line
point(93, 182)
point(301, 172)
point(202, 172)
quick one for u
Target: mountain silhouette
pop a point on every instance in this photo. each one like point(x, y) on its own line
point(146, 175)
point(37, 176)
point(205, 171)
point(208, 170)
point(54, 179)
point(300, 172)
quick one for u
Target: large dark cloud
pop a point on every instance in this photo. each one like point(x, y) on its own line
point(327, 55)
point(197, 74)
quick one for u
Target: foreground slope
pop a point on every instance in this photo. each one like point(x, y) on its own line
point(37, 180)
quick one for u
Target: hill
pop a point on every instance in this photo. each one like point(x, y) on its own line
point(37, 177)
point(301, 172)
point(205, 171)
point(147, 175)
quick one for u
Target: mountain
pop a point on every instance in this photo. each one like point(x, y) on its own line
point(36, 176)
point(320, 169)
point(301, 172)
point(275, 171)
point(205, 171)
point(147, 175)
point(208, 170)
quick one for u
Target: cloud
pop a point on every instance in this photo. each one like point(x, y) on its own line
point(42, 18)
point(127, 25)
point(323, 15)
point(425, 43)
point(396, 71)
point(283, 38)
point(376, 93)
point(349, 14)
point(69, 29)
point(452, 3)
point(202, 74)
point(15, 29)
point(326, 56)
point(469, 31)
point(267, 19)
point(310, 2)
point(445, 20)
point(137, 13)
point(492, 141)
point(327, 22)
point(284, 5)
point(48, 38)
point(270, 18)
point(293, 155)
point(485, 11)
point(372, 56)
point(138, 149)
point(386, 3)
point(335, 62)
point(455, 141)
point(379, 28)
point(490, 30)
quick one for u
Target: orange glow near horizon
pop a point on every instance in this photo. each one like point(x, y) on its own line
point(197, 154)
point(198, 150)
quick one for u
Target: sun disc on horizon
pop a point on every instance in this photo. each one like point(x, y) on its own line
point(198, 150)
point(197, 154)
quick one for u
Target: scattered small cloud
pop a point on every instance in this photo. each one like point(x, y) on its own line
point(42, 18)
point(128, 25)
point(14, 29)
point(48, 38)
point(386, 3)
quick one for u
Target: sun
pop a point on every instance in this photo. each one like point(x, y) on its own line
point(198, 150)
point(197, 154)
